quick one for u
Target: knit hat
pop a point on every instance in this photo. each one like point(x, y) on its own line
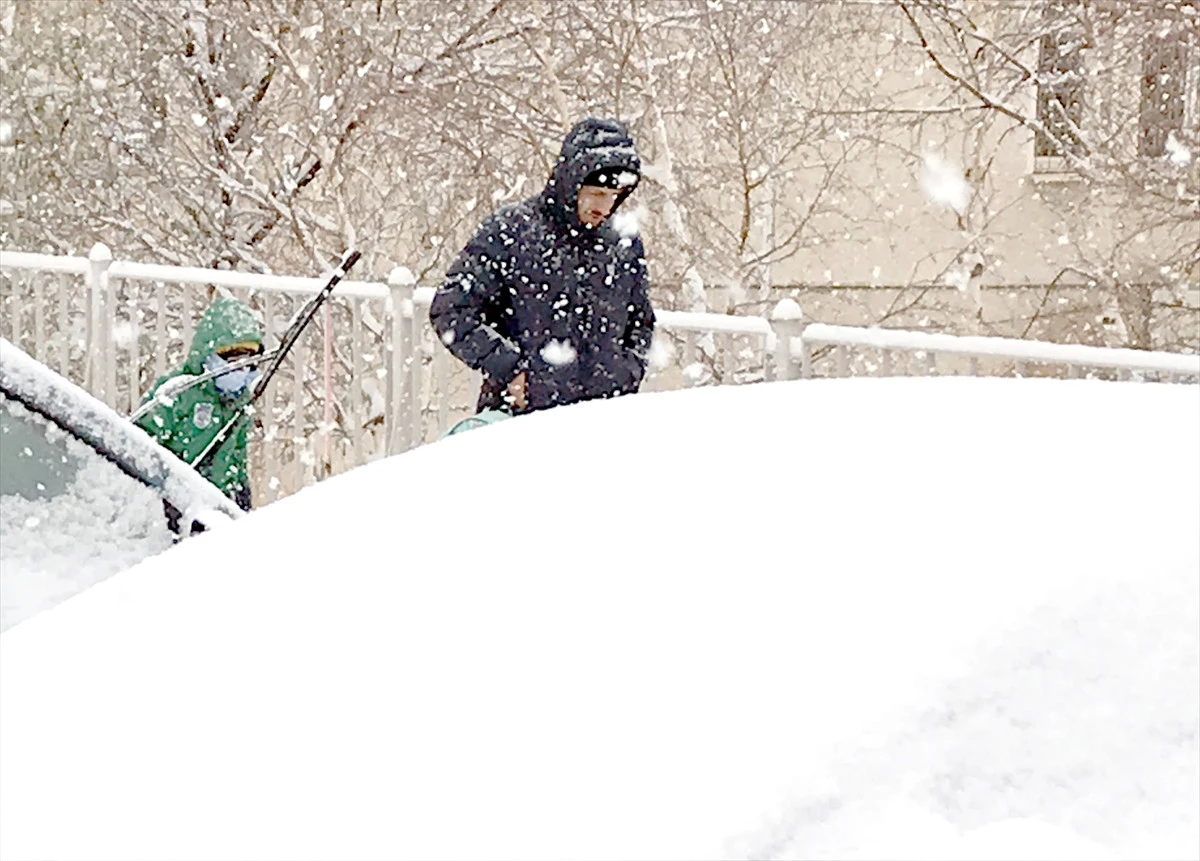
point(621, 178)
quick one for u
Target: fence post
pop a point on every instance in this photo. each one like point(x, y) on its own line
point(400, 388)
point(787, 321)
point(99, 327)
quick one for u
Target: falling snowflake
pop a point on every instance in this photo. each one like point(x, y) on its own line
point(1177, 152)
point(695, 373)
point(124, 333)
point(627, 223)
point(958, 277)
point(661, 355)
point(559, 353)
point(943, 184)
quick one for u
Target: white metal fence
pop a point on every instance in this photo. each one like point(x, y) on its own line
point(371, 379)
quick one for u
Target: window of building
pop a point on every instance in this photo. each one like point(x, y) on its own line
point(1060, 96)
point(1165, 92)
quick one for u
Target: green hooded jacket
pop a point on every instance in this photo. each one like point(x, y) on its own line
point(194, 416)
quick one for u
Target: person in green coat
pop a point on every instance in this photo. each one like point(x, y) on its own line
point(185, 423)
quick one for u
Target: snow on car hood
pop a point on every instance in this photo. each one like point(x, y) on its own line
point(108, 429)
point(855, 618)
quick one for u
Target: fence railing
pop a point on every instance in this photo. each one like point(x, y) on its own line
point(117, 326)
point(383, 384)
point(1130, 364)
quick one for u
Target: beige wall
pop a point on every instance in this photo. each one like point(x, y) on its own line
point(1032, 227)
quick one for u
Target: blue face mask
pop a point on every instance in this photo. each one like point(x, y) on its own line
point(233, 383)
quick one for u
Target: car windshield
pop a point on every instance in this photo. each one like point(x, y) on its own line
point(69, 517)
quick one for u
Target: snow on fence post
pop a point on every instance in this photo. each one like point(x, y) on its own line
point(99, 324)
point(788, 323)
point(401, 434)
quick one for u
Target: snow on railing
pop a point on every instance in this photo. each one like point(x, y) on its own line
point(43, 262)
point(691, 321)
point(1074, 356)
point(186, 274)
point(116, 326)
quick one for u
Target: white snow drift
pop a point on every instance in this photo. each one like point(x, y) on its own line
point(827, 619)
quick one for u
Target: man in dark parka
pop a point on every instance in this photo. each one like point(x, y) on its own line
point(549, 299)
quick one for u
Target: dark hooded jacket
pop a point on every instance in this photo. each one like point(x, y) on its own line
point(536, 290)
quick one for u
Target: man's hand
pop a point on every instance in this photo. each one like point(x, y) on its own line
point(515, 394)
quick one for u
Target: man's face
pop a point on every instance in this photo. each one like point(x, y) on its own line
point(596, 204)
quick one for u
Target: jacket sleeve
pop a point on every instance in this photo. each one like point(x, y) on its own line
point(470, 299)
point(639, 331)
point(161, 421)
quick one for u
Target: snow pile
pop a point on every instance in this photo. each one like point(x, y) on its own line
point(900, 621)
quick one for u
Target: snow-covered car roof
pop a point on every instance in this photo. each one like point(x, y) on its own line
point(865, 618)
point(48, 393)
